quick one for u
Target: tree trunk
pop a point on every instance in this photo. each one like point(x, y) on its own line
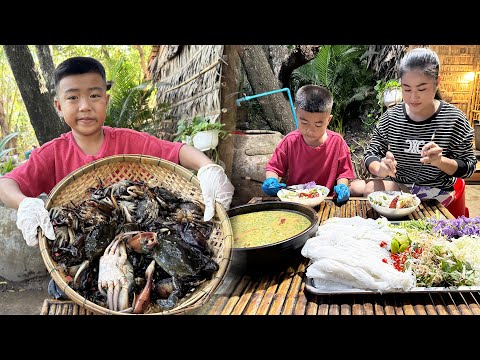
point(301, 55)
point(43, 117)
point(262, 79)
point(277, 55)
point(47, 67)
point(229, 94)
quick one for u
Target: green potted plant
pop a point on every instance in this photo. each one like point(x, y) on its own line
point(389, 92)
point(203, 133)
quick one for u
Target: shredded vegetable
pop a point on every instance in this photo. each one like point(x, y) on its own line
point(467, 248)
point(431, 258)
point(397, 201)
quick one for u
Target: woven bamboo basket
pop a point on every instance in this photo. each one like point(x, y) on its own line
point(157, 172)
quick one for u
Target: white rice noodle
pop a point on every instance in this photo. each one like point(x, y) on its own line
point(346, 253)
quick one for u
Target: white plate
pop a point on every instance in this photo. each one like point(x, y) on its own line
point(322, 190)
point(391, 213)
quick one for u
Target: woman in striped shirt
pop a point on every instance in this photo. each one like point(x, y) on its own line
point(422, 130)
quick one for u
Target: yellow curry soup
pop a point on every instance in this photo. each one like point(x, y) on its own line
point(266, 227)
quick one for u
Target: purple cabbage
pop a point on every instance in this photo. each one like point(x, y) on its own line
point(309, 185)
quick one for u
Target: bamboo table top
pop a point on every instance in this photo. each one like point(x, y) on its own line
point(284, 293)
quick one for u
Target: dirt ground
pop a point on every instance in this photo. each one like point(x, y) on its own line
point(24, 297)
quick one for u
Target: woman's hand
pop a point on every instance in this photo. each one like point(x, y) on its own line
point(431, 154)
point(388, 165)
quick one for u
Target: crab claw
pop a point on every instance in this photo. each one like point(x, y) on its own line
point(116, 275)
point(143, 242)
point(141, 302)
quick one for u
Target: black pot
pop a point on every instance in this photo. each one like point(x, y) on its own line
point(272, 257)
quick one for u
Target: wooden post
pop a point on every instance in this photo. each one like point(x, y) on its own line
point(228, 95)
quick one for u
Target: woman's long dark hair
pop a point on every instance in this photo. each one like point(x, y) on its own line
point(424, 60)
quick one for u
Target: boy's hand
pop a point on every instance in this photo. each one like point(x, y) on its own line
point(30, 215)
point(215, 187)
point(341, 193)
point(271, 186)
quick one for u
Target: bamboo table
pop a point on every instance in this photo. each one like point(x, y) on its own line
point(283, 293)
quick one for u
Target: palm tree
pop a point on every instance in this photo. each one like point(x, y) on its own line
point(339, 68)
point(129, 101)
point(384, 59)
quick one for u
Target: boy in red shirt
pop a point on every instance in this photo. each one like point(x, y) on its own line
point(82, 99)
point(312, 153)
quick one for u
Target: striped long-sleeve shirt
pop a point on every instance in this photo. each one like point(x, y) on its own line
point(453, 134)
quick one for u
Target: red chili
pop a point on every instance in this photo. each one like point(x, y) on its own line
point(383, 243)
point(385, 260)
point(393, 204)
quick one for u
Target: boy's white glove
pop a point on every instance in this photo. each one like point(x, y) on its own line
point(215, 187)
point(30, 215)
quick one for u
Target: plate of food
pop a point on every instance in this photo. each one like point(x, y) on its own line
point(308, 194)
point(393, 204)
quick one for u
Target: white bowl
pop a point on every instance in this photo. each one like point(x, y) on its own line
point(322, 190)
point(388, 212)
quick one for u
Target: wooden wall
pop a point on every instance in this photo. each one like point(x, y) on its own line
point(455, 62)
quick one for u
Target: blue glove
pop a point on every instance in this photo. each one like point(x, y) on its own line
point(271, 186)
point(341, 193)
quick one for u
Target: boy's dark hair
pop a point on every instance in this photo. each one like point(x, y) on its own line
point(314, 98)
point(79, 65)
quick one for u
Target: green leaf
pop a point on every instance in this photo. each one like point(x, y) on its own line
point(3, 144)
point(129, 100)
point(6, 139)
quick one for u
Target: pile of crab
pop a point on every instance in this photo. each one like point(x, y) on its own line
point(131, 247)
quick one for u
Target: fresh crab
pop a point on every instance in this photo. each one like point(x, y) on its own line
point(147, 209)
point(64, 236)
point(127, 189)
point(62, 215)
point(116, 275)
point(188, 212)
point(92, 215)
point(186, 264)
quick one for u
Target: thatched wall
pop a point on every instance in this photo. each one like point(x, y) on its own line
point(188, 79)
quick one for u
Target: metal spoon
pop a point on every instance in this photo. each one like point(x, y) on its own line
point(421, 166)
